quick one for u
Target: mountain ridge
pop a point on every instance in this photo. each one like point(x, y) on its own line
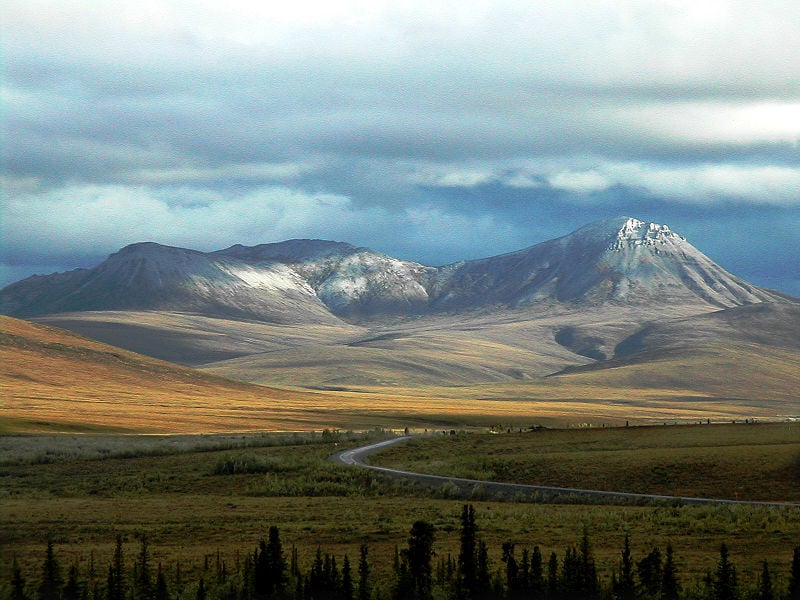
point(619, 260)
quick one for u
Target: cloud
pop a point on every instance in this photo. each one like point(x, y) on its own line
point(104, 218)
point(581, 182)
point(202, 123)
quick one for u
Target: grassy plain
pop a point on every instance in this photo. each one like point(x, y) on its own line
point(196, 500)
point(734, 461)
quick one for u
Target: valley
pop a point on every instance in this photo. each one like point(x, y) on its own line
point(621, 320)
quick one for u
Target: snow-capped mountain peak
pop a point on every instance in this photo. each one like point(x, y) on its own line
point(620, 260)
point(639, 233)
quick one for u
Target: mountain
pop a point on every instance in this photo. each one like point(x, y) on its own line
point(620, 261)
point(620, 311)
point(148, 276)
point(350, 281)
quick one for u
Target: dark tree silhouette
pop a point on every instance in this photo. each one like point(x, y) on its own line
point(536, 583)
point(794, 578)
point(74, 589)
point(483, 582)
point(513, 584)
point(347, 580)
point(17, 583)
point(650, 573)
point(143, 584)
point(161, 591)
point(588, 582)
point(364, 591)
point(115, 586)
point(467, 556)
point(552, 576)
point(724, 582)
point(418, 558)
point(50, 585)
point(202, 593)
point(670, 587)
point(765, 591)
point(625, 587)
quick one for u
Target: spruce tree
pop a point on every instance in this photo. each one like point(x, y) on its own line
point(50, 586)
point(276, 564)
point(650, 573)
point(484, 581)
point(74, 588)
point(724, 582)
point(419, 555)
point(202, 593)
point(143, 584)
point(625, 588)
point(467, 556)
point(552, 576)
point(670, 588)
point(765, 584)
point(512, 571)
point(364, 591)
point(537, 583)
point(17, 583)
point(588, 582)
point(525, 573)
point(161, 591)
point(570, 584)
point(117, 588)
point(794, 577)
point(347, 580)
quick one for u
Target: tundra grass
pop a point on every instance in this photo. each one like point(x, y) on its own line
point(192, 504)
point(733, 461)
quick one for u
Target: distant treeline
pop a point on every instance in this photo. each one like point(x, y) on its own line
point(417, 573)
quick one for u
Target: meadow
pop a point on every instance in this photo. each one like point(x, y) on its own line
point(745, 461)
point(211, 496)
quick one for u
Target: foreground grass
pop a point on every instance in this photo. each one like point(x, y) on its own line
point(195, 502)
point(734, 461)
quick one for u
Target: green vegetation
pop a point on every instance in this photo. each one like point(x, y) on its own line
point(200, 500)
point(416, 573)
point(742, 461)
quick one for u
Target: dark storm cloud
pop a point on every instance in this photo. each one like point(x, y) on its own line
point(433, 131)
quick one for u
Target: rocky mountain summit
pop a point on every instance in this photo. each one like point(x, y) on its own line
point(621, 260)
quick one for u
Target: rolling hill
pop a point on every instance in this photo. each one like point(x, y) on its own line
point(618, 318)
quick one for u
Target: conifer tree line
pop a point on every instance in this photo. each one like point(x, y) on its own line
point(417, 573)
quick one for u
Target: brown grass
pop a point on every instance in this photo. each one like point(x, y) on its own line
point(54, 380)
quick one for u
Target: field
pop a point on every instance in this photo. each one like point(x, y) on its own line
point(199, 496)
point(734, 461)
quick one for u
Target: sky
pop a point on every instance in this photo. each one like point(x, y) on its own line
point(434, 131)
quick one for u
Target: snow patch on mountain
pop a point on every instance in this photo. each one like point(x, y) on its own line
point(272, 277)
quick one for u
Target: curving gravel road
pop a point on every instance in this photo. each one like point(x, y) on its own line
point(356, 457)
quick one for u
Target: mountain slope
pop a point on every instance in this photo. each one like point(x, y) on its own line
point(350, 281)
point(622, 261)
point(150, 276)
point(51, 379)
point(765, 324)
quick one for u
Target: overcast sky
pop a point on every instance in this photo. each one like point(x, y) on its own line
point(432, 130)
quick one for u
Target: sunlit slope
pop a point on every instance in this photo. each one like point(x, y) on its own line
point(193, 339)
point(53, 379)
point(754, 373)
point(452, 350)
